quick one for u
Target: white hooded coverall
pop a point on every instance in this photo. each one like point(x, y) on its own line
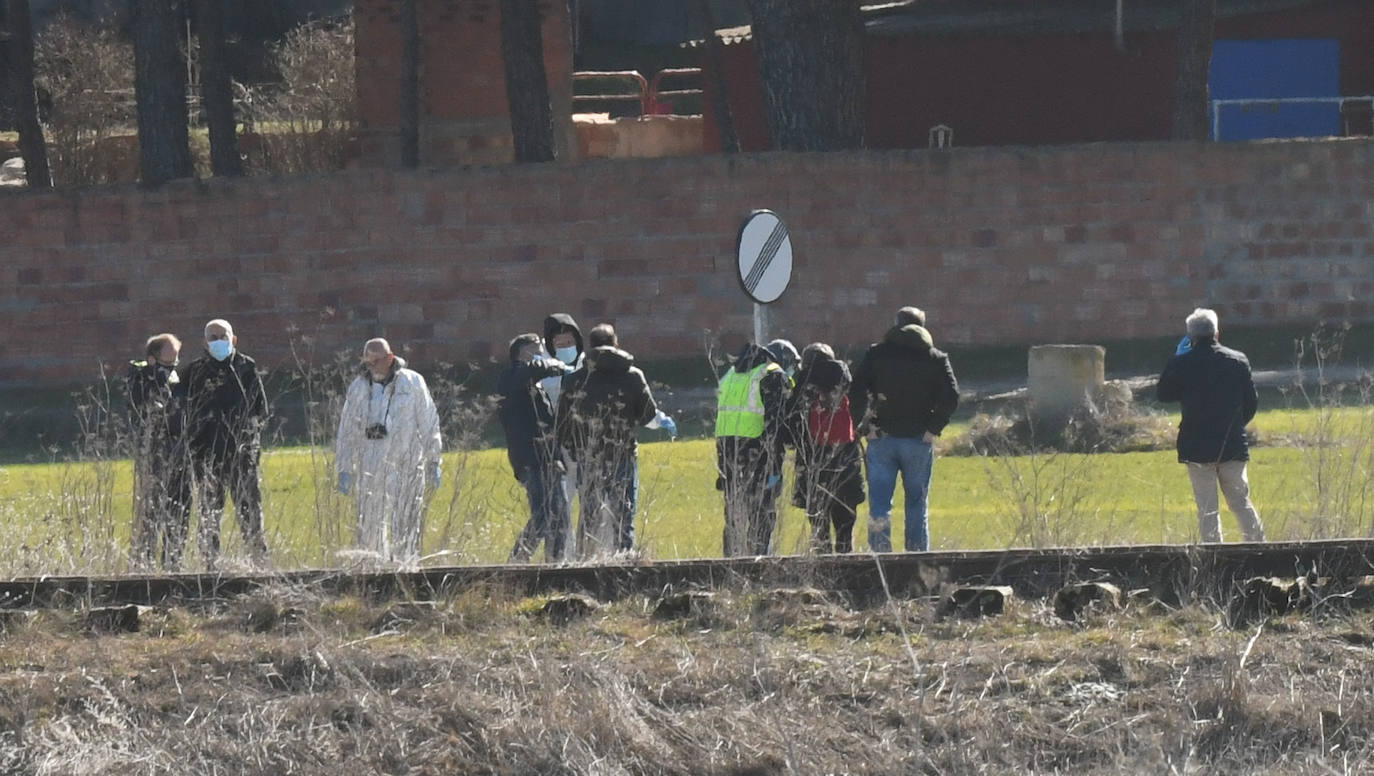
point(388, 474)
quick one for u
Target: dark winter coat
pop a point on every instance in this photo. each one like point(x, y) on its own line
point(758, 459)
point(226, 405)
point(904, 386)
point(1217, 392)
point(155, 401)
point(826, 473)
point(526, 414)
point(601, 407)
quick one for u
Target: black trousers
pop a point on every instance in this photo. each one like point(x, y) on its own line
point(751, 504)
point(234, 473)
point(751, 513)
point(162, 505)
point(838, 515)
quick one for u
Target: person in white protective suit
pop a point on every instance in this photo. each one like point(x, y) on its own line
point(389, 453)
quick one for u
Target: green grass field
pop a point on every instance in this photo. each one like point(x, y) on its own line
point(1314, 481)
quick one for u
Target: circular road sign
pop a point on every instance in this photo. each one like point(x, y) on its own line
point(765, 256)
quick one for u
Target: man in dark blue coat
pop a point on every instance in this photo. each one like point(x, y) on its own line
point(1217, 393)
point(527, 418)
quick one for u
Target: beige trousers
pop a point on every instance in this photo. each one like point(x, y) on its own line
point(1235, 486)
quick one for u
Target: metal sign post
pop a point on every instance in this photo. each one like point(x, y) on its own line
point(765, 264)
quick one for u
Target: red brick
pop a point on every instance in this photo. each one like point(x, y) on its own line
point(868, 237)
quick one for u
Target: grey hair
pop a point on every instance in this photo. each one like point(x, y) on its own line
point(1202, 323)
point(377, 345)
point(219, 323)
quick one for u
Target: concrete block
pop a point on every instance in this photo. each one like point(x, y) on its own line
point(976, 601)
point(1073, 601)
point(1064, 378)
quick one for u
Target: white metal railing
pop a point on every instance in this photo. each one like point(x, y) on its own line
point(1340, 102)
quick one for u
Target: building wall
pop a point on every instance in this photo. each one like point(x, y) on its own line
point(1058, 244)
point(464, 118)
point(637, 137)
point(1030, 90)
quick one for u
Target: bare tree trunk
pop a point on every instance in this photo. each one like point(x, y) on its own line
point(527, 84)
point(164, 148)
point(811, 59)
point(6, 68)
point(410, 85)
point(217, 90)
point(31, 143)
point(1194, 65)
point(720, 101)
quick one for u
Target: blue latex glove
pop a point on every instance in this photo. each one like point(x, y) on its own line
point(1184, 345)
point(345, 481)
point(662, 420)
point(436, 475)
point(772, 480)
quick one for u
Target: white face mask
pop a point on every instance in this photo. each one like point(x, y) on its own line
point(567, 355)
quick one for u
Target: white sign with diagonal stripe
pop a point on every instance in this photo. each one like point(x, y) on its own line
point(765, 256)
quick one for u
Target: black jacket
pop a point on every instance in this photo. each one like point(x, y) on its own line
point(602, 406)
point(226, 405)
point(155, 401)
point(762, 457)
point(1218, 397)
point(904, 386)
point(525, 413)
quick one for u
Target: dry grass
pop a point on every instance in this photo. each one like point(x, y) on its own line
point(764, 684)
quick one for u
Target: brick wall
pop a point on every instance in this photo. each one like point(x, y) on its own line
point(1064, 244)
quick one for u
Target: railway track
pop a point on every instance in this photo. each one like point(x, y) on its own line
point(1170, 572)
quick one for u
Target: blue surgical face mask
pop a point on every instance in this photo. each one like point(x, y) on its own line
point(221, 348)
point(567, 355)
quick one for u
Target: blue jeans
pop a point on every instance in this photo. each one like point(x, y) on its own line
point(549, 517)
point(913, 458)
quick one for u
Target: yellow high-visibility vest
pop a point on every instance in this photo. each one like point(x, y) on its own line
point(739, 410)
